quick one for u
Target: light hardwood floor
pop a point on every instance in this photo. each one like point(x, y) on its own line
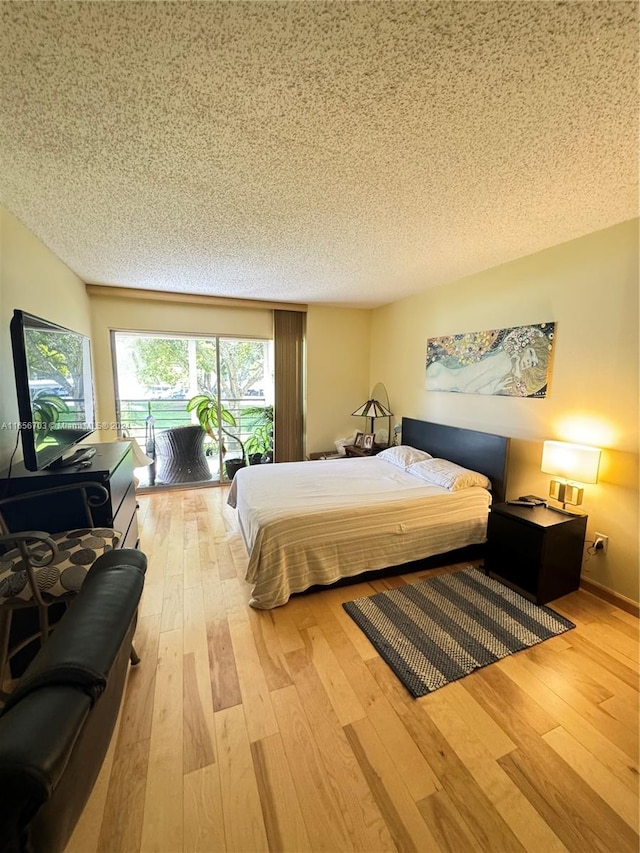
point(284, 730)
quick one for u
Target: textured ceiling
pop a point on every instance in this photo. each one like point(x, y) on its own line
point(342, 152)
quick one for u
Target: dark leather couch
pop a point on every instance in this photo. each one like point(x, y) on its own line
point(56, 726)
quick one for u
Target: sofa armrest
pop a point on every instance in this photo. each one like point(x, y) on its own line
point(36, 741)
point(82, 649)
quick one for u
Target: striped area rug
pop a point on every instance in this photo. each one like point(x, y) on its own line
point(441, 629)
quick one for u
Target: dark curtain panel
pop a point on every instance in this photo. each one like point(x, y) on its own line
point(288, 339)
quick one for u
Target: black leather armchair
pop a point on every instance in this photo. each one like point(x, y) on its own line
point(56, 726)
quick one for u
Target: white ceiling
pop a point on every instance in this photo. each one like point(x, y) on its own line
point(343, 152)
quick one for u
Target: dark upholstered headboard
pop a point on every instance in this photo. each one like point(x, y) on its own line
point(479, 451)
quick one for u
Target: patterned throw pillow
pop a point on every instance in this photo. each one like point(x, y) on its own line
point(77, 552)
point(403, 455)
point(441, 472)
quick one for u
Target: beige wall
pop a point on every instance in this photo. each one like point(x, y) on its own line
point(589, 287)
point(337, 373)
point(34, 279)
point(144, 315)
point(337, 353)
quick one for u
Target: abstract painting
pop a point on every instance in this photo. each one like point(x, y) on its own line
point(513, 362)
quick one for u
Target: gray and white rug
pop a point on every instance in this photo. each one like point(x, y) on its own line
point(441, 629)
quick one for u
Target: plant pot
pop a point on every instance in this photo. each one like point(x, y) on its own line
point(255, 458)
point(267, 457)
point(231, 466)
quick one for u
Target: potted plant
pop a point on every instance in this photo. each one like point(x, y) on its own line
point(213, 417)
point(259, 445)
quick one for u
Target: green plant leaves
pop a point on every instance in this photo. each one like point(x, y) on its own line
point(212, 416)
point(46, 409)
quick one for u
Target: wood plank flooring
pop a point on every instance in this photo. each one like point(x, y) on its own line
point(283, 730)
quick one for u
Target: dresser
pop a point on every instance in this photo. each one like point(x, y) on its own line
point(112, 467)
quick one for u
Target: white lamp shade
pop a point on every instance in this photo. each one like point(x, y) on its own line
point(140, 459)
point(575, 462)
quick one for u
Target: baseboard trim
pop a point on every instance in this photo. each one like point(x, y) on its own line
point(612, 597)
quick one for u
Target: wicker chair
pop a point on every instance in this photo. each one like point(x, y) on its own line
point(40, 569)
point(180, 456)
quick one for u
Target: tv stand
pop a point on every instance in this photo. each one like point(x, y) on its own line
point(111, 466)
point(82, 454)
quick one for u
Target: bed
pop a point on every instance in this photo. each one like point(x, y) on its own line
point(315, 523)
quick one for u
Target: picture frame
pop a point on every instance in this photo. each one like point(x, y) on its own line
point(367, 441)
point(357, 442)
point(510, 362)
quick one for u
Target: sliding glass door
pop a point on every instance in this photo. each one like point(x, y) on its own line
point(229, 421)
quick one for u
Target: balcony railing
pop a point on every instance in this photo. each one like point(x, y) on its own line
point(134, 415)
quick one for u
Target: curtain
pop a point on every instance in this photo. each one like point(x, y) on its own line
point(288, 341)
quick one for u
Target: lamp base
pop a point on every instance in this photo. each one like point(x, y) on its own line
point(566, 493)
point(564, 511)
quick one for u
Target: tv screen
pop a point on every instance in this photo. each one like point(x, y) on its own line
point(54, 385)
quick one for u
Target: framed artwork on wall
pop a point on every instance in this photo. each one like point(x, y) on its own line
point(511, 362)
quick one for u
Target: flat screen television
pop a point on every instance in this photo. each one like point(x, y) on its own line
point(54, 385)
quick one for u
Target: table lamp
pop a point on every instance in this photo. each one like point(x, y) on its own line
point(140, 458)
point(372, 409)
point(570, 464)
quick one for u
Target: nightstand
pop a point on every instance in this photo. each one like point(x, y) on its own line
point(535, 550)
point(352, 450)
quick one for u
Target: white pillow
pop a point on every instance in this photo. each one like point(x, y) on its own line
point(402, 455)
point(447, 474)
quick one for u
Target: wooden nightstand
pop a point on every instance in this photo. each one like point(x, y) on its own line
point(352, 450)
point(535, 550)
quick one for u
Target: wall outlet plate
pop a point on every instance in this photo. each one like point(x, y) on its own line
point(600, 538)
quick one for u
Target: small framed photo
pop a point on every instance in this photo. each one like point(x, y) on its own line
point(358, 439)
point(367, 441)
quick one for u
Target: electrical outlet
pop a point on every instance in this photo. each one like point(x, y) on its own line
point(600, 543)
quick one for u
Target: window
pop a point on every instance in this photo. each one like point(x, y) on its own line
point(156, 376)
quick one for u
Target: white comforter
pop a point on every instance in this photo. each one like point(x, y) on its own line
point(307, 523)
